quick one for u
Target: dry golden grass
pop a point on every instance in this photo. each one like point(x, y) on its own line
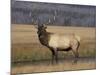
point(26, 47)
point(28, 34)
point(25, 43)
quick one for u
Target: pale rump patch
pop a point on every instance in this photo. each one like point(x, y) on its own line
point(59, 41)
point(78, 38)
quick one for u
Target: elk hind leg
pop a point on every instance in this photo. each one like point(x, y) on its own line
point(76, 54)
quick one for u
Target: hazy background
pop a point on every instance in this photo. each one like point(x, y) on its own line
point(57, 14)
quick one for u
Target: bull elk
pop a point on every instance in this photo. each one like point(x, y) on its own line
point(58, 42)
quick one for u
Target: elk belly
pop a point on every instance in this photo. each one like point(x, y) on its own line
point(59, 42)
point(63, 43)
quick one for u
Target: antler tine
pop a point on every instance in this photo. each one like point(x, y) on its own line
point(35, 24)
point(48, 22)
point(44, 25)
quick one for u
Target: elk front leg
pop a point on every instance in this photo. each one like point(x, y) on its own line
point(53, 55)
point(56, 55)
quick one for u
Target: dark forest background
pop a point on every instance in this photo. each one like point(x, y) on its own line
point(23, 12)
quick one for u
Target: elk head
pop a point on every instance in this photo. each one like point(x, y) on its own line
point(41, 29)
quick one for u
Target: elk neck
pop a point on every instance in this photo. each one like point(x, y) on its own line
point(44, 38)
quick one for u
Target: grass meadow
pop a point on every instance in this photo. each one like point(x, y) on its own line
point(25, 47)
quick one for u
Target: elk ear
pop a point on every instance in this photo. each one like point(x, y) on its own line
point(44, 26)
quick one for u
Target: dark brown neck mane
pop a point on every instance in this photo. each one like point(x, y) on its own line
point(44, 38)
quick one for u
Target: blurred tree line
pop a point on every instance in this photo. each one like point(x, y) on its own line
point(69, 15)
